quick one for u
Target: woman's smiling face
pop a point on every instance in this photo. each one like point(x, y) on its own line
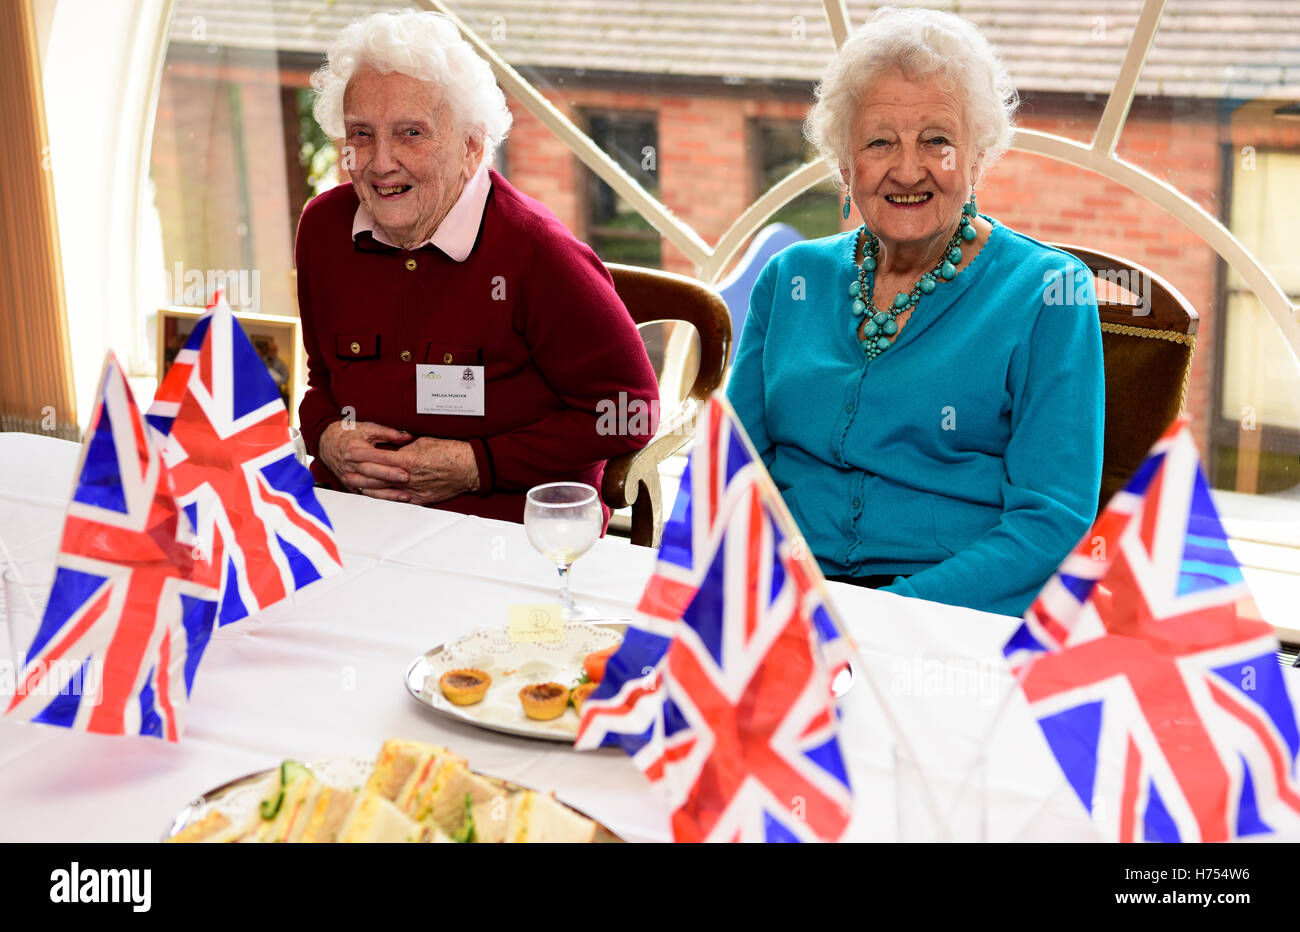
point(911, 162)
point(411, 162)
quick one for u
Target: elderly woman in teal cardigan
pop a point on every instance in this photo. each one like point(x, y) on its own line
point(926, 391)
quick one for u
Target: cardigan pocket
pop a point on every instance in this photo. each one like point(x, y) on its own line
point(944, 534)
point(439, 354)
point(893, 523)
point(349, 346)
point(958, 524)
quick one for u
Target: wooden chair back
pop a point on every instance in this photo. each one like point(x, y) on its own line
point(651, 295)
point(1148, 335)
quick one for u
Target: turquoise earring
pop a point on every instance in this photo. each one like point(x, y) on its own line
point(848, 203)
point(969, 211)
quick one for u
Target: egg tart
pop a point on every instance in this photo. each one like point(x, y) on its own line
point(544, 701)
point(464, 687)
point(580, 694)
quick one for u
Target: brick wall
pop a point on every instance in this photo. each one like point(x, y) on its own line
point(707, 177)
point(705, 169)
point(210, 122)
point(1055, 202)
point(195, 184)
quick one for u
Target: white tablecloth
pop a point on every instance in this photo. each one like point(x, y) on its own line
point(320, 675)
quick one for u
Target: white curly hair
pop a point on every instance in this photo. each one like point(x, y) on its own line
point(918, 43)
point(427, 47)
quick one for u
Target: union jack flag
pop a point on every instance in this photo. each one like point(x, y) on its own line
point(130, 611)
point(1158, 692)
point(721, 693)
point(227, 449)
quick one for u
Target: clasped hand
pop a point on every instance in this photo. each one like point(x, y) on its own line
point(422, 470)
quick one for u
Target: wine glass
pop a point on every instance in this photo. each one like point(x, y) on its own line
point(562, 521)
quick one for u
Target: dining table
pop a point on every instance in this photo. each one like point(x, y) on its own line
point(321, 675)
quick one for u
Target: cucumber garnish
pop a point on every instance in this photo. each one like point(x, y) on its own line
point(290, 771)
point(465, 834)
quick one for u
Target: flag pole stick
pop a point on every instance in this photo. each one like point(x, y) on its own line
point(981, 756)
point(1018, 676)
point(791, 529)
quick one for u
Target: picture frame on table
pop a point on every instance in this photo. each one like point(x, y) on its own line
point(275, 338)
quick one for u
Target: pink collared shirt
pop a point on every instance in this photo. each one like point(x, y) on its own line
point(459, 229)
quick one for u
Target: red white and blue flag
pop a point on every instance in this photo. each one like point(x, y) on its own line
point(1155, 684)
point(721, 692)
point(130, 611)
point(231, 461)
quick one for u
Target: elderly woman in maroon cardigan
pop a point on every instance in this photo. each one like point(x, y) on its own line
point(462, 345)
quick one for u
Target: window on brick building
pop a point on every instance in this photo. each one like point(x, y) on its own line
point(317, 154)
point(723, 97)
point(614, 228)
point(778, 148)
point(1256, 440)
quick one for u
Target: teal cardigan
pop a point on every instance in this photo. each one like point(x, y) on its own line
point(967, 457)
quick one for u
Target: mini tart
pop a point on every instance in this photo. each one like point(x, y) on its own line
point(580, 694)
point(464, 687)
point(544, 701)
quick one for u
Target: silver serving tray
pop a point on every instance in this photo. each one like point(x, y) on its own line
point(422, 684)
point(421, 681)
point(238, 798)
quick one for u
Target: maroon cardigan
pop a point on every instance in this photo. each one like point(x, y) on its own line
point(530, 303)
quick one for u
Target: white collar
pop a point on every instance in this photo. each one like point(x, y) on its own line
point(459, 229)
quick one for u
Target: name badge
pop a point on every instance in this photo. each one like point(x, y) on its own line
point(449, 390)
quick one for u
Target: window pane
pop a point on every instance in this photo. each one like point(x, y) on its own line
point(1271, 234)
point(1258, 445)
point(1064, 62)
point(1215, 75)
point(706, 72)
point(228, 165)
point(1216, 118)
point(614, 229)
point(1261, 379)
point(1058, 203)
point(718, 91)
point(235, 157)
point(708, 69)
point(778, 148)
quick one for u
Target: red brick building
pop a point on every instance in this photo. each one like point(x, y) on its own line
point(702, 104)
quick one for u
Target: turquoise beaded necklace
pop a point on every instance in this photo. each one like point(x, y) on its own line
point(881, 325)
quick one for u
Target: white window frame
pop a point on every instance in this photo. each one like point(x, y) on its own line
point(1265, 530)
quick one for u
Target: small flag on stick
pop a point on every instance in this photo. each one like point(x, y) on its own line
point(231, 461)
point(721, 691)
point(1151, 676)
point(131, 608)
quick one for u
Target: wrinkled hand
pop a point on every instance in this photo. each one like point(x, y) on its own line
point(351, 453)
point(438, 470)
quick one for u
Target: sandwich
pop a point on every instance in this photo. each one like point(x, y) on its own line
point(454, 792)
point(423, 778)
point(489, 819)
point(537, 817)
point(213, 828)
point(284, 809)
point(397, 763)
point(326, 813)
point(376, 819)
point(415, 792)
